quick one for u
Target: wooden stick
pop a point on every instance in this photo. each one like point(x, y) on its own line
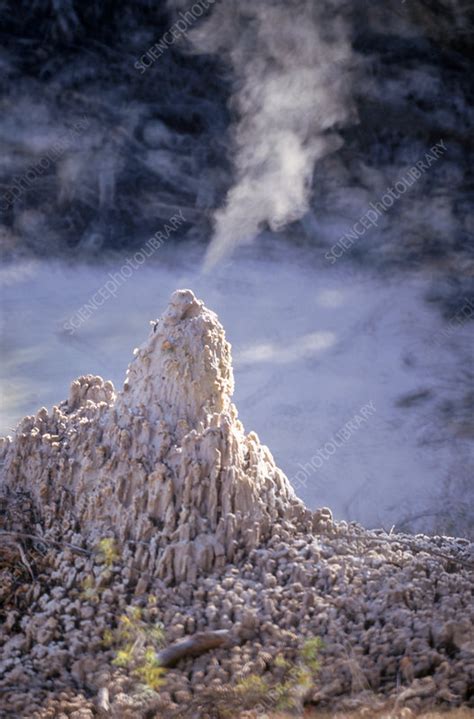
point(34, 537)
point(193, 646)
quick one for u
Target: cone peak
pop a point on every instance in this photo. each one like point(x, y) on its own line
point(183, 371)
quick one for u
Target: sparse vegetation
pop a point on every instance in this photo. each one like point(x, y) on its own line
point(136, 643)
point(107, 551)
point(282, 690)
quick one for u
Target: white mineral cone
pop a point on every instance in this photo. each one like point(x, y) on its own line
point(165, 463)
point(183, 371)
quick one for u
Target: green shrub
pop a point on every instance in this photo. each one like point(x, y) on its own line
point(136, 643)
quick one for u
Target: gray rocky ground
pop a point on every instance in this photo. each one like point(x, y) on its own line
point(132, 519)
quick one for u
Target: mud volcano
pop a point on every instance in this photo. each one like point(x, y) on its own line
point(207, 536)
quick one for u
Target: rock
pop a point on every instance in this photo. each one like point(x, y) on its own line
point(102, 701)
point(177, 390)
point(87, 612)
point(157, 506)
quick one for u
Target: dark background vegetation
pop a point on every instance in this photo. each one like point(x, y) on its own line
point(160, 140)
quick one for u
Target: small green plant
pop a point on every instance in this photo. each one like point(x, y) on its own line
point(107, 551)
point(107, 554)
point(89, 590)
point(136, 643)
point(149, 671)
point(310, 653)
point(253, 686)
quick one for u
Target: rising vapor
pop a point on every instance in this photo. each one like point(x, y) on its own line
point(289, 61)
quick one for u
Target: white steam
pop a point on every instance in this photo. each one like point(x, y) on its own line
point(291, 95)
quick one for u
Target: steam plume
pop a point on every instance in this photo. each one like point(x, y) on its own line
point(290, 97)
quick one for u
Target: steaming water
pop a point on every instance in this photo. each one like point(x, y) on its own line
point(311, 346)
